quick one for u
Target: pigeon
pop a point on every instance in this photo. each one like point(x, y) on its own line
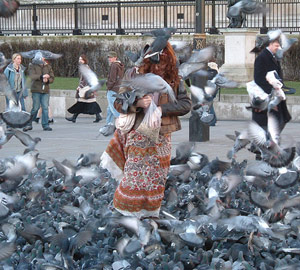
point(13, 116)
point(269, 143)
point(260, 43)
point(240, 141)
point(5, 136)
point(144, 84)
point(286, 44)
point(6, 250)
point(88, 159)
point(137, 58)
point(204, 101)
point(160, 42)
point(92, 80)
point(68, 245)
point(8, 8)
point(221, 81)
point(183, 153)
point(38, 55)
point(26, 140)
point(3, 61)
point(276, 204)
point(196, 62)
point(183, 50)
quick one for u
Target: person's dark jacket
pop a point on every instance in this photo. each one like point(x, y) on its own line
point(264, 63)
point(170, 111)
point(36, 73)
point(115, 75)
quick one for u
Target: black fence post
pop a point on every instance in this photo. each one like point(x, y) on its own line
point(35, 31)
point(165, 13)
point(76, 30)
point(119, 30)
point(264, 29)
point(213, 29)
point(198, 131)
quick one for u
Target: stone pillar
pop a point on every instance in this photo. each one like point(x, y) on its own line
point(239, 62)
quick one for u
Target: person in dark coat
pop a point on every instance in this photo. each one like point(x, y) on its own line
point(266, 61)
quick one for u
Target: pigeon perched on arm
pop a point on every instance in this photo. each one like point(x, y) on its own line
point(143, 84)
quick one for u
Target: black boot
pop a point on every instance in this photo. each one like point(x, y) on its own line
point(98, 118)
point(73, 118)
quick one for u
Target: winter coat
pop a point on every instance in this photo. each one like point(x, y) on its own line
point(10, 74)
point(36, 73)
point(115, 75)
point(264, 63)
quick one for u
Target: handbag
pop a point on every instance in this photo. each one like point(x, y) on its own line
point(125, 122)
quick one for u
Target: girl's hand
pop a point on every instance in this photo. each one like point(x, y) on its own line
point(144, 102)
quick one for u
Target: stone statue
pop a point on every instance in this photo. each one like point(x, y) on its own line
point(236, 20)
point(237, 10)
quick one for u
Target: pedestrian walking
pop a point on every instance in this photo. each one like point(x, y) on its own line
point(115, 75)
point(83, 105)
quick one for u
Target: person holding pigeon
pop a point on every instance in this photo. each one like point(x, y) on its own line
point(84, 105)
point(137, 160)
point(42, 75)
point(266, 61)
point(115, 75)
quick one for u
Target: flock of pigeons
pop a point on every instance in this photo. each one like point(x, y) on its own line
point(215, 214)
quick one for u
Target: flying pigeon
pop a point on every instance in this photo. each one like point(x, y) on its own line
point(38, 55)
point(91, 79)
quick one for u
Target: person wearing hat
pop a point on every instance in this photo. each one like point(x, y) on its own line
point(115, 75)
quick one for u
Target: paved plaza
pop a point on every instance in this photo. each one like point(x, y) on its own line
point(68, 140)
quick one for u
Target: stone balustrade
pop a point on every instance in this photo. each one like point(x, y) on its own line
point(229, 107)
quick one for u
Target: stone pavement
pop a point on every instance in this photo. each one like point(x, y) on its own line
point(69, 140)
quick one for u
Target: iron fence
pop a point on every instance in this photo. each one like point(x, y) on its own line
point(135, 17)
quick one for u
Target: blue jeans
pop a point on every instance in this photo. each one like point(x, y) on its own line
point(112, 113)
point(39, 99)
point(21, 101)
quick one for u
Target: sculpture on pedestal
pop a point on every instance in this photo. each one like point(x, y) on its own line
point(237, 10)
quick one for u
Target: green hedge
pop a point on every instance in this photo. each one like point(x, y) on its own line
point(96, 51)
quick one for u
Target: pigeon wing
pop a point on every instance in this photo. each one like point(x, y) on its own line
point(257, 134)
point(198, 93)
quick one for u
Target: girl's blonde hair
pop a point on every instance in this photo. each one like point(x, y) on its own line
point(15, 55)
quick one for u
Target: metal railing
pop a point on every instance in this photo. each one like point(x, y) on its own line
point(135, 17)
